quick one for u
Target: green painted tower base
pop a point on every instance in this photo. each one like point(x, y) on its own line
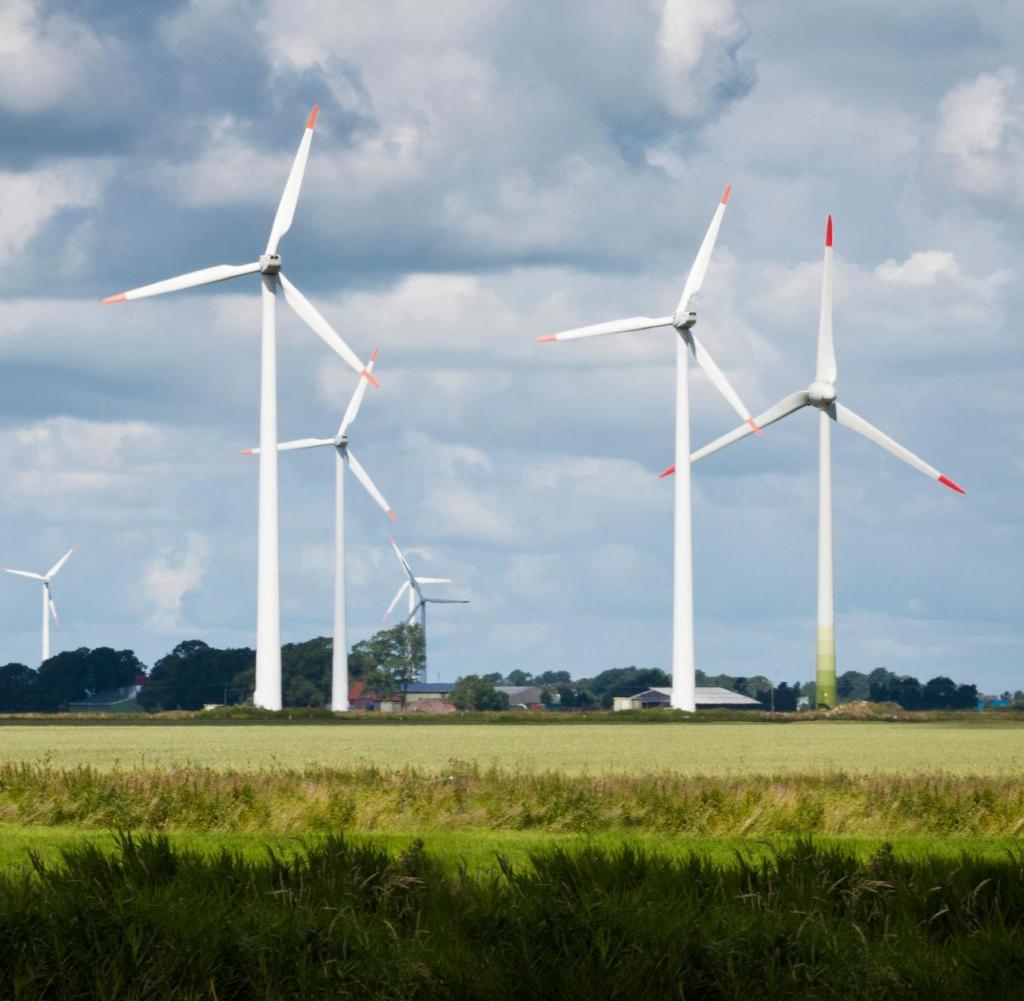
point(825, 690)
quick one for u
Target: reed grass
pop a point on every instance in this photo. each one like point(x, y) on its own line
point(344, 920)
point(465, 796)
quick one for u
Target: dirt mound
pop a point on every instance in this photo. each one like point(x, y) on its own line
point(866, 710)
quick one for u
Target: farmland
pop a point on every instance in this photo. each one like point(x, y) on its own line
point(708, 749)
point(835, 858)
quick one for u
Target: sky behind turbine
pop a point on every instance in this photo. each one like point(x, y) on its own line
point(483, 173)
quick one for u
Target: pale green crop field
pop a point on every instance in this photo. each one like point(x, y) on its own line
point(707, 748)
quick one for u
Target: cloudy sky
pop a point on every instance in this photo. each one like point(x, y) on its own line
point(483, 172)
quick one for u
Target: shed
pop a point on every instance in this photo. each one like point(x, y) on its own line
point(521, 696)
point(706, 698)
point(119, 700)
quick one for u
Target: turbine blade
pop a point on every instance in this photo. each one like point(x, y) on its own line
point(292, 446)
point(53, 612)
point(437, 580)
point(23, 573)
point(825, 367)
point(629, 325)
point(416, 608)
point(311, 315)
point(357, 398)
point(446, 601)
point(714, 373)
point(395, 600)
point(207, 276)
point(846, 417)
point(53, 570)
point(695, 279)
point(402, 559)
point(371, 488)
point(783, 408)
point(292, 187)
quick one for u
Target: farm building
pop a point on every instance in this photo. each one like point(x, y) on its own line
point(707, 698)
point(120, 700)
point(521, 696)
point(423, 696)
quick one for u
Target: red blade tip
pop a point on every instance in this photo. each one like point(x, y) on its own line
point(547, 337)
point(666, 472)
point(376, 351)
point(754, 425)
point(946, 481)
point(110, 299)
point(246, 451)
point(828, 232)
point(311, 124)
point(368, 376)
point(726, 193)
point(393, 516)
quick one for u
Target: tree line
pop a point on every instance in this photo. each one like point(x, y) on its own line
point(195, 674)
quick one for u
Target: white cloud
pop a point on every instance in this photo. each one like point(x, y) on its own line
point(168, 577)
point(980, 128)
point(30, 199)
point(923, 267)
point(697, 41)
point(45, 57)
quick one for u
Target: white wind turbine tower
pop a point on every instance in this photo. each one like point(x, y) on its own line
point(683, 320)
point(418, 601)
point(342, 456)
point(268, 607)
point(49, 608)
point(821, 395)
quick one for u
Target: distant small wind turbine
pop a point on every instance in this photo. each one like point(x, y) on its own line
point(268, 600)
point(49, 608)
point(681, 322)
point(342, 456)
point(418, 601)
point(821, 395)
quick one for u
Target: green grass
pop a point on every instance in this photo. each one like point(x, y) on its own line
point(347, 920)
point(466, 797)
point(712, 748)
point(479, 850)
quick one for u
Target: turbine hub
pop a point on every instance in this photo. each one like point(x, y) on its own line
point(821, 394)
point(683, 321)
point(270, 264)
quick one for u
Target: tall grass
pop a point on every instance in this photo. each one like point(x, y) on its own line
point(346, 921)
point(466, 796)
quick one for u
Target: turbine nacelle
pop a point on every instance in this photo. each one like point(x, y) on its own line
point(270, 264)
point(684, 319)
point(821, 394)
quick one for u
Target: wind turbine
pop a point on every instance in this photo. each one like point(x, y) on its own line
point(49, 608)
point(821, 395)
point(418, 601)
point(342, 456)
point(268, 606)
point(682, 321)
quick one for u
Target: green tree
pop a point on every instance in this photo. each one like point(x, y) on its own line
point(853, 686)
point(76, 674)
point(939, 693)
point(881, 685)
point(518, 677)
point(552, 677)
point(474, 692)
point(17, 688)
point(390, 660)
point(194, 673)
point(618, 681)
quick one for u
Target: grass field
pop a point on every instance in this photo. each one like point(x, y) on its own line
point(725, 749)
point(343, 919)
point(561, 860)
